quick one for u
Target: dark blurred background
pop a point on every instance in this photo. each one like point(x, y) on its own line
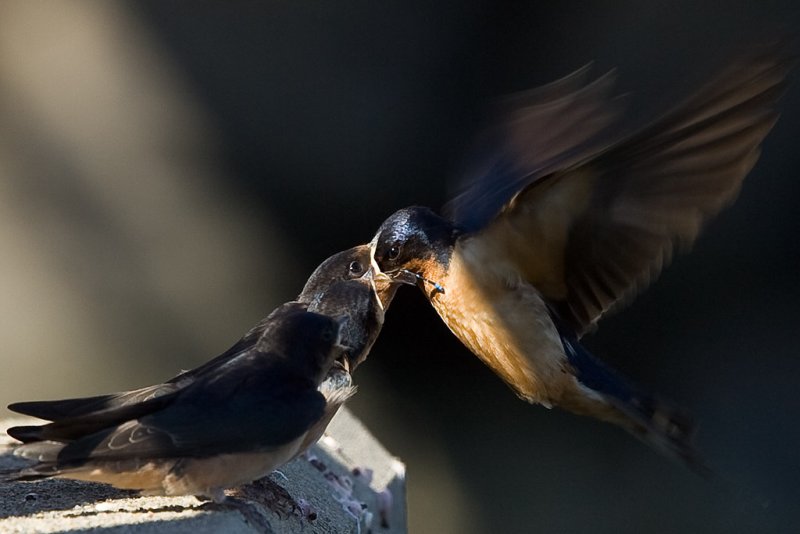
point(171, 171)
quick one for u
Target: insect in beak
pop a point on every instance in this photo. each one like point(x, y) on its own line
point(409, 277)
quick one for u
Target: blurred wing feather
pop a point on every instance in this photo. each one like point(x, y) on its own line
point(591, 235)
point(533, 134)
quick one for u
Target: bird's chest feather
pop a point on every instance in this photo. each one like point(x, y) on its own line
point(504, 321)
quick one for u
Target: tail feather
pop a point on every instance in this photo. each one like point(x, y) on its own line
point(25, 434)
point(68, 429)
point(653, 420)
point(28, 474)
point(60, 409)
point(45, 453)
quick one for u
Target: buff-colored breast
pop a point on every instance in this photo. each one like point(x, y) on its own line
point(503, 320)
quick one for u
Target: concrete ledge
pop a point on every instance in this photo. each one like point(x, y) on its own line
point(346, 483)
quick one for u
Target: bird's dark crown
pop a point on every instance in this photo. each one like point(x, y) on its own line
point(349, 264)
point(412, 237)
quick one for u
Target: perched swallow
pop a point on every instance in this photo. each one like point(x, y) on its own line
point(556, 226)
point(360, 303)
point(351, 264)
point(226, 428)
point(342, 286)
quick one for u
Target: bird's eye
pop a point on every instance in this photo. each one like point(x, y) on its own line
point(356, 267)
point(394, 251)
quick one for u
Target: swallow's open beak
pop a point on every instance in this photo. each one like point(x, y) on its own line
point(342, 362)
point(400, 276)
point(383, 285)
point(379, 276)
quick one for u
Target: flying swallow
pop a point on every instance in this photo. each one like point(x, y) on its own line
point(556, 225)
point(351, 264)
point(226, 428)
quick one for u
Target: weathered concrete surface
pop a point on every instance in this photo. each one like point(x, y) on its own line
point(340, 486)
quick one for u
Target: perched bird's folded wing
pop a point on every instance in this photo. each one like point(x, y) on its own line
point(251, 405)
point(71, 428)
point(531, 135)
point(57, 410)
point(601, 230)
point(67, 408)
point(248, 342)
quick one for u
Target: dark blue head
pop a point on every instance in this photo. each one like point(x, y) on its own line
point(414, 239)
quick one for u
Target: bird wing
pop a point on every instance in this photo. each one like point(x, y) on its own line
point(108, 413)
point(601, 230)
point(57, 410)
point(249, 404)
point(531, 135)
point(66, 408)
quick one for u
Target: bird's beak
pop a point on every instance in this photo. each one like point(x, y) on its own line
point(393, 277)
point(342, 363)
point(400, 276)
point(381, 277)
point(383, 285)
point(404, 276)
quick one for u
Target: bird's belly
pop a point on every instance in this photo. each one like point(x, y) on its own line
point(191, 476)
point(206, 475)
point(510, 330)
point(147, 476)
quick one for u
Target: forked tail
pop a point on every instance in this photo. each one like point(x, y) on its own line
point(651, 419)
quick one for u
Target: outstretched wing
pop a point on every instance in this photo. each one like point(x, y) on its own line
point(598, 231)
point(533, 134)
